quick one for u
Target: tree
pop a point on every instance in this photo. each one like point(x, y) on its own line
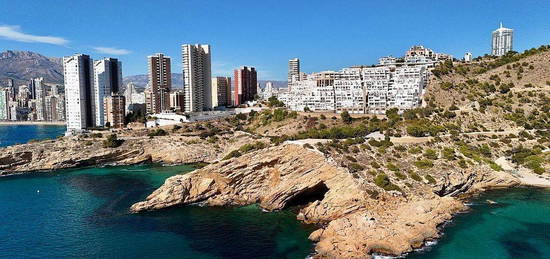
point(346, 118)
point(112, 141)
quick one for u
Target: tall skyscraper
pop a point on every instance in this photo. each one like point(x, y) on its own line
point(502, 41)
point(293, 70)
point(38, 93)
point(197, 81)
point(221, 91)
point(79, 97)
point(4, 104)
point(107, 81)
point(245, 87)
point(160, 83)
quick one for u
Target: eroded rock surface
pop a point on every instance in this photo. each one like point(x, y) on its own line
point(353, 222)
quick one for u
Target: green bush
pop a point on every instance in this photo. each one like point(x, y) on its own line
point(392, 167)
point(383, 181)
point(430, 154)
point(415, 176)
point(355, 167)
point(346, 118)
point(430, 179)
point(424, 164)
point(232, 154)
point(112, 141)
point(448, 153)
point(157, 132)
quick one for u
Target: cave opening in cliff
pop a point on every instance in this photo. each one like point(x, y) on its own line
point(308, 195)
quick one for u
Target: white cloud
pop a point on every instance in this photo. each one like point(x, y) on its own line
point(14, 33)
point(112, 51)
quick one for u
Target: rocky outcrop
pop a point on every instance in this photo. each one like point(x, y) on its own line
point(71, 152)
point(353, 223)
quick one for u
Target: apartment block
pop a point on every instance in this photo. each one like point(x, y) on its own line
point(79, 97)
point(115, 111)
point(197, 81)
point(160, 84)
point(221, 91)
point(107, 81)
point(245, 85)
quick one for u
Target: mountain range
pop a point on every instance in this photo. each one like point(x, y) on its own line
point(21, 66)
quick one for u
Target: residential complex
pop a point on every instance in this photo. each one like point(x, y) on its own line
point(245, 85)
point(221, 91)
point(197, 77)
point(177, 101)
point(502, 41)
point(157, 94)
point(393, 83)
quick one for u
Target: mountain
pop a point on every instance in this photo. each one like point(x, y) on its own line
point(21, 66)
point(177, 81)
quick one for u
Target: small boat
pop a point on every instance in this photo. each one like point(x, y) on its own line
point(491, 202)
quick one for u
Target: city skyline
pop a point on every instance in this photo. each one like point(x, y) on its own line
point(360, 37)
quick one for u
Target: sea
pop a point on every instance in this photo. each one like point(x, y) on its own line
point(84, 213)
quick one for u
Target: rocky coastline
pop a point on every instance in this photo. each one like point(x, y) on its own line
point(355, 218)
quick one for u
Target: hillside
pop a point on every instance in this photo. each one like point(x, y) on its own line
point(24, 65)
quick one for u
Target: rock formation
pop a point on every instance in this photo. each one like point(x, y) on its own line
point(353, 224)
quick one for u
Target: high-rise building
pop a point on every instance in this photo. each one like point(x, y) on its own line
point(502, 41)
point(115, 111)
point(221, 91)
point(245, 85)
point(38, 93)
point(4, 104)
point(197, 82)
point(468, 57)
point(177, 101)
point(79, 97)
point(107, 81)
point(160, 83)
point(293, 70)
point(54, 107)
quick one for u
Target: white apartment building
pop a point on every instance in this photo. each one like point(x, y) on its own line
point(4, 104)
point(359, 90)
point(107, 81)
point(468, 57)
point(197, 80)
point(502, 41)
point(79, 97)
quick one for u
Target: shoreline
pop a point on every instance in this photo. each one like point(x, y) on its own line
point(39, 123)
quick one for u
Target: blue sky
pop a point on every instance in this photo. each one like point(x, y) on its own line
point(325, 35)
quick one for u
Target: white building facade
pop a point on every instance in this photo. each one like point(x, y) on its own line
point(502, 42)
point(197, 79)
point(79, 97)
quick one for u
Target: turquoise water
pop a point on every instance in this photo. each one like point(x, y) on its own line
point(518, 226)
point(84, 213)
point(19, 134)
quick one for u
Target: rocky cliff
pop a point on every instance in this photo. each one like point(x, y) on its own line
point(353, 223)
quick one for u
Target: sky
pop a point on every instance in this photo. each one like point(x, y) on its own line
point(325, 35)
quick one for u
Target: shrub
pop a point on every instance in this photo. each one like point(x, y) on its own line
point(157, 132)
point(355, 167)
point(383, 181)
point(415, 176)
point(424, 164)
point(400, 175)
point(430, 154)
point(448, 153)
point(346, 118)
point(392, 167)
point(375, 165)
point(430, 179)
point(232, 154)
point(462, 163)
point(350, 158)
point(112, 141)
point(415, 150)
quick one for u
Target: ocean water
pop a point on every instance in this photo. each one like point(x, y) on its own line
point(517, 226)
point(19, 134)
point(84, 213)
